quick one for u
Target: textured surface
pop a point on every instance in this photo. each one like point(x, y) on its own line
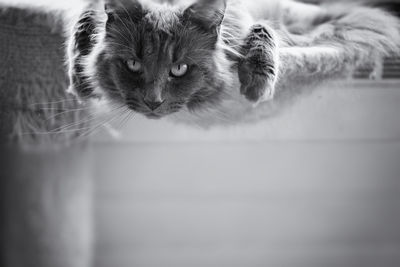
point(34, 104)
point(45, 207)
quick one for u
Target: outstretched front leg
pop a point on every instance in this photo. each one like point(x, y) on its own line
point(258, 69)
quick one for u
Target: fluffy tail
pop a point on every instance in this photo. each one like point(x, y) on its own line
point(366, 30)
point(343, 38)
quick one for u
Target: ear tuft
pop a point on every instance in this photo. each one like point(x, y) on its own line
point(208, 13)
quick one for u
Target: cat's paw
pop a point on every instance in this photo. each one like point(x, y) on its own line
point(256, 86)
point(259, 66)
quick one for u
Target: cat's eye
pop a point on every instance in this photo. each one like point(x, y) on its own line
point(134, 65)
point(179, 70)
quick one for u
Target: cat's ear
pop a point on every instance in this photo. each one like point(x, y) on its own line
point(208, 13)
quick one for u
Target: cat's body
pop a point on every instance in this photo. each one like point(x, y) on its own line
point(232, 54)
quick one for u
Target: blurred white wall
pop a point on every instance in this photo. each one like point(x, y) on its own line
point(316, 186)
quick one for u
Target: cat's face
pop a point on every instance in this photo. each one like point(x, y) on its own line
point(158, 61)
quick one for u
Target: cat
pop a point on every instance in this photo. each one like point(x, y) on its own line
point(212, 60)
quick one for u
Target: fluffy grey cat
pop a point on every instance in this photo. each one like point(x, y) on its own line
point(212, 60)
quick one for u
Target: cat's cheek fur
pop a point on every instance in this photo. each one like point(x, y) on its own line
point(105, 79)
point(186, 85)
point(124, 82)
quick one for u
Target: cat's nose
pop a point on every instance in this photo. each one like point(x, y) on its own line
point(153, 105)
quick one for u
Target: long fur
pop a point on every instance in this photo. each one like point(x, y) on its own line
point(335, 40)
point(316, 43)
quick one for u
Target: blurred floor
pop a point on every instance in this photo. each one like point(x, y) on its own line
point(317, 186)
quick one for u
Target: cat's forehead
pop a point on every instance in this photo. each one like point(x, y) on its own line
point(163, 17)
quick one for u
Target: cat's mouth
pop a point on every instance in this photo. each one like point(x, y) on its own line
point(154, 114)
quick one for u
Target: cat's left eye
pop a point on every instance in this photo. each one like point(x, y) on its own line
point(134, 65)
point(179, 70)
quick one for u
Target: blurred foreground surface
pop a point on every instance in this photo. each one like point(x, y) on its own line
point(317, 186)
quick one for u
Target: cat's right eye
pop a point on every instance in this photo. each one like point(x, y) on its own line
point(179, 70)
point(134, 65)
